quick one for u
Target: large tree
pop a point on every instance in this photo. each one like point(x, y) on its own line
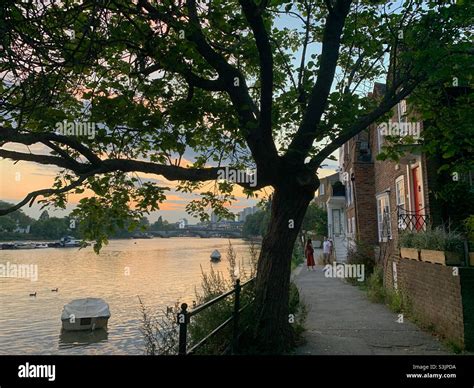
point(272, 85)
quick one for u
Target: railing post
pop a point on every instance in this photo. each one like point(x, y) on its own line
point(235, 331)
point(183, 319)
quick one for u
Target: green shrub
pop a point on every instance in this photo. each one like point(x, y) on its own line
point(297, 256)
point(393, 300)
point(363, 254)
point(298, 309)
point(406, 239)
point(469, 226)
point(375, 288)
point(437, 239)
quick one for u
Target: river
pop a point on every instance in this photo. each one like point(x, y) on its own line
point(160, 271)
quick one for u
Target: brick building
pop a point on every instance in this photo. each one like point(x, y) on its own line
point(384, 197)
point(357, 169)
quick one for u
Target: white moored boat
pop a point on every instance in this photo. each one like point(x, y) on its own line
point(69, 242)
point(25, 245)
point(215, 255)
point(85, 314)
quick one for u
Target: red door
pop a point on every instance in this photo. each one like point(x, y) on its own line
point(417, 198)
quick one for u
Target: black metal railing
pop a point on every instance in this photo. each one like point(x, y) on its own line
point(184, 318)
point(409, 220)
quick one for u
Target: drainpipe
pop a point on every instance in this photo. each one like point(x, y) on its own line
point(356, 213)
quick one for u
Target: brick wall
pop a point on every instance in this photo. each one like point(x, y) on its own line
point(467, 292)
point(438, 298)
point(366, 220)
point(363, 207)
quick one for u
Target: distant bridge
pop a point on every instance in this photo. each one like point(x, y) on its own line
point(196, 232)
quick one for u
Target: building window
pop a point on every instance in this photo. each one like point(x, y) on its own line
point(348, 194)
point(380, 139)
point(349, 188)
point(403, 107)
point(353, 225)
point(400, 191)
point(383, 218)
point(321, 189)
point(336, 222)
point(400, 196)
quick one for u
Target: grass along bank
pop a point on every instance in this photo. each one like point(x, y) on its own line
point(161, 331)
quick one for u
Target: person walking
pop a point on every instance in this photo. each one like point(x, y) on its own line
point(309, 253)
point(327, 248)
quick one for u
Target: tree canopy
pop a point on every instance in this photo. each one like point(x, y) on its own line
point(270, 84)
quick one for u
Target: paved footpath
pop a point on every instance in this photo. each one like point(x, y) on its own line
point(342, 321)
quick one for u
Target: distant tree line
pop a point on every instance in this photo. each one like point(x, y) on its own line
point(53, 228)
point(315, 221)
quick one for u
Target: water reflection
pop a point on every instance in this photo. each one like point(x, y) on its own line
point(160, 271)
point(69, 339)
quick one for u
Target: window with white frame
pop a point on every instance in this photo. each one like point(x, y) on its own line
point(400, 196)
point(321, 189)
point(403, 107)
point(383, 218)
point(348, 193)
point(400, 191)
point(350, 188)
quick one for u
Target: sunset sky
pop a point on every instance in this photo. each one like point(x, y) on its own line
point(17, 180)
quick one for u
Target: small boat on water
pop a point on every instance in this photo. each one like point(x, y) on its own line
point(24, 245)
point(41, 245)
point(215, 255)
point(70, 242)
point(85, 314)
point(142, 236)
point(8, 246)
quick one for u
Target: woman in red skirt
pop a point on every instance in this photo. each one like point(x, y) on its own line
point(309, 253)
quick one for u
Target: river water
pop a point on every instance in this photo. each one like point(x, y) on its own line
point(159, 271)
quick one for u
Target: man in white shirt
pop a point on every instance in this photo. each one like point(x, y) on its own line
point(326, 250)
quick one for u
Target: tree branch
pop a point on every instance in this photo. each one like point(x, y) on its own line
point(170, 172)
point(306, 133)
point(44, 159)
point(301, 92)
point(253, 15)
point(45, 193)
point(262, 146)
point(12, 135)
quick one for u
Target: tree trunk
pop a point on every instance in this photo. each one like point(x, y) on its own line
point(273, 332)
